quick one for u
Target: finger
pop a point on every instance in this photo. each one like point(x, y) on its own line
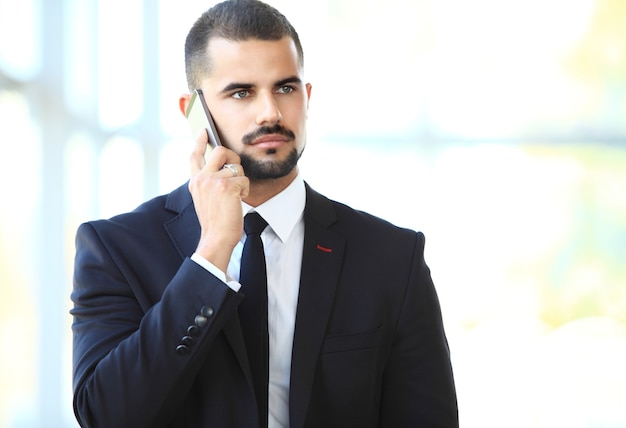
point(221, 156)
point(235, 169)
point(245, 187)
point(196, 160)
point(240, 185)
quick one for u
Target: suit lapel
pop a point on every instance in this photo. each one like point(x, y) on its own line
point(184, 232)
point(321, 267)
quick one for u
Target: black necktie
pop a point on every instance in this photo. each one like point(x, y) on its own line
point(253, 309)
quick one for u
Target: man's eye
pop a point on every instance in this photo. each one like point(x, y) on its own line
point(241, 94)
point(285, 89)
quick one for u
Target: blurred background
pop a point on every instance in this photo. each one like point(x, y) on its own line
point(498, 128)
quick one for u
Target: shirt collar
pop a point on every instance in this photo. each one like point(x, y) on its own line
point(283, 211)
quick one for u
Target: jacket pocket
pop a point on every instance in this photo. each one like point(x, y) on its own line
point(352, 342)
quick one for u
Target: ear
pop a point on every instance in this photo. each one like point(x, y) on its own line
point(183, 102)
point(308, 94)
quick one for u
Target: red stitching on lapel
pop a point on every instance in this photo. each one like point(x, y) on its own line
point(324, 249)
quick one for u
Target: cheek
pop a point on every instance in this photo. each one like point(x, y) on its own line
point(231, 124)
point(229, 134)
point(296, 115)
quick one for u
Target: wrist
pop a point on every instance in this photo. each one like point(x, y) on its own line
point(218, 256)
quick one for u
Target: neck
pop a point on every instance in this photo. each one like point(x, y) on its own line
point(264, 190)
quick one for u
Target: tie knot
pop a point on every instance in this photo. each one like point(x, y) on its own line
point(253, 223)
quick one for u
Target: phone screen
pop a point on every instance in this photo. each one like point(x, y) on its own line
point(199, 117)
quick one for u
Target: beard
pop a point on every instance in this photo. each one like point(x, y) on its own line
point(269, 169)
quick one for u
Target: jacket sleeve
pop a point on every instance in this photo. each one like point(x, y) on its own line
point(131, 364)
point(418, 385)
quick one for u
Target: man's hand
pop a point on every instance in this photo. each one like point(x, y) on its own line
point(217, 193)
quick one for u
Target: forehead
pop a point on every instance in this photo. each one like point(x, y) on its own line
point(252, 59)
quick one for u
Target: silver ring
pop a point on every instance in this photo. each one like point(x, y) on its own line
point(232, 168)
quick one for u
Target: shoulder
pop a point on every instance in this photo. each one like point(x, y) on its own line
point(147, 217)
point(358, 225)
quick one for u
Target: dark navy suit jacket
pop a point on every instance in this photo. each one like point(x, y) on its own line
point(369, 347)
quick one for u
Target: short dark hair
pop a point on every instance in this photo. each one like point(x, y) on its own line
point(235, 20)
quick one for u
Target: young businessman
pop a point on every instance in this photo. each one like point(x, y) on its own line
point(350, 334)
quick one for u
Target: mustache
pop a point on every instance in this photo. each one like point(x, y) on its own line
point(268, 130)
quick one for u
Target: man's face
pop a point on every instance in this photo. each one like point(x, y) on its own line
point(259, 103)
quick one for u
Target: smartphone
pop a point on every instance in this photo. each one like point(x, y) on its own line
point(199, 117)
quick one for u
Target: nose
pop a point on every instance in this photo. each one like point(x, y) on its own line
point(269, 113)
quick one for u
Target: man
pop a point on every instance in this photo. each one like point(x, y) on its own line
point(161, 330)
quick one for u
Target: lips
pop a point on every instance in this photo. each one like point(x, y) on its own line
point(276, 134)
point(271, 140)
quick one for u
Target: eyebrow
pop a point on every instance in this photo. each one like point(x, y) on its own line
point(292, 79)
point(235, 85)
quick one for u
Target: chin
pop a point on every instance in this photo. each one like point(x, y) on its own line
point(269, 168)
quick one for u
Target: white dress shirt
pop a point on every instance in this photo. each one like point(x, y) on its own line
point(282, 242)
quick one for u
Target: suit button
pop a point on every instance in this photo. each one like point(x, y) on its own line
point(193, 330)
point(206, 311)
point(182, 350)
point(187, 340)
point(201, 321)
